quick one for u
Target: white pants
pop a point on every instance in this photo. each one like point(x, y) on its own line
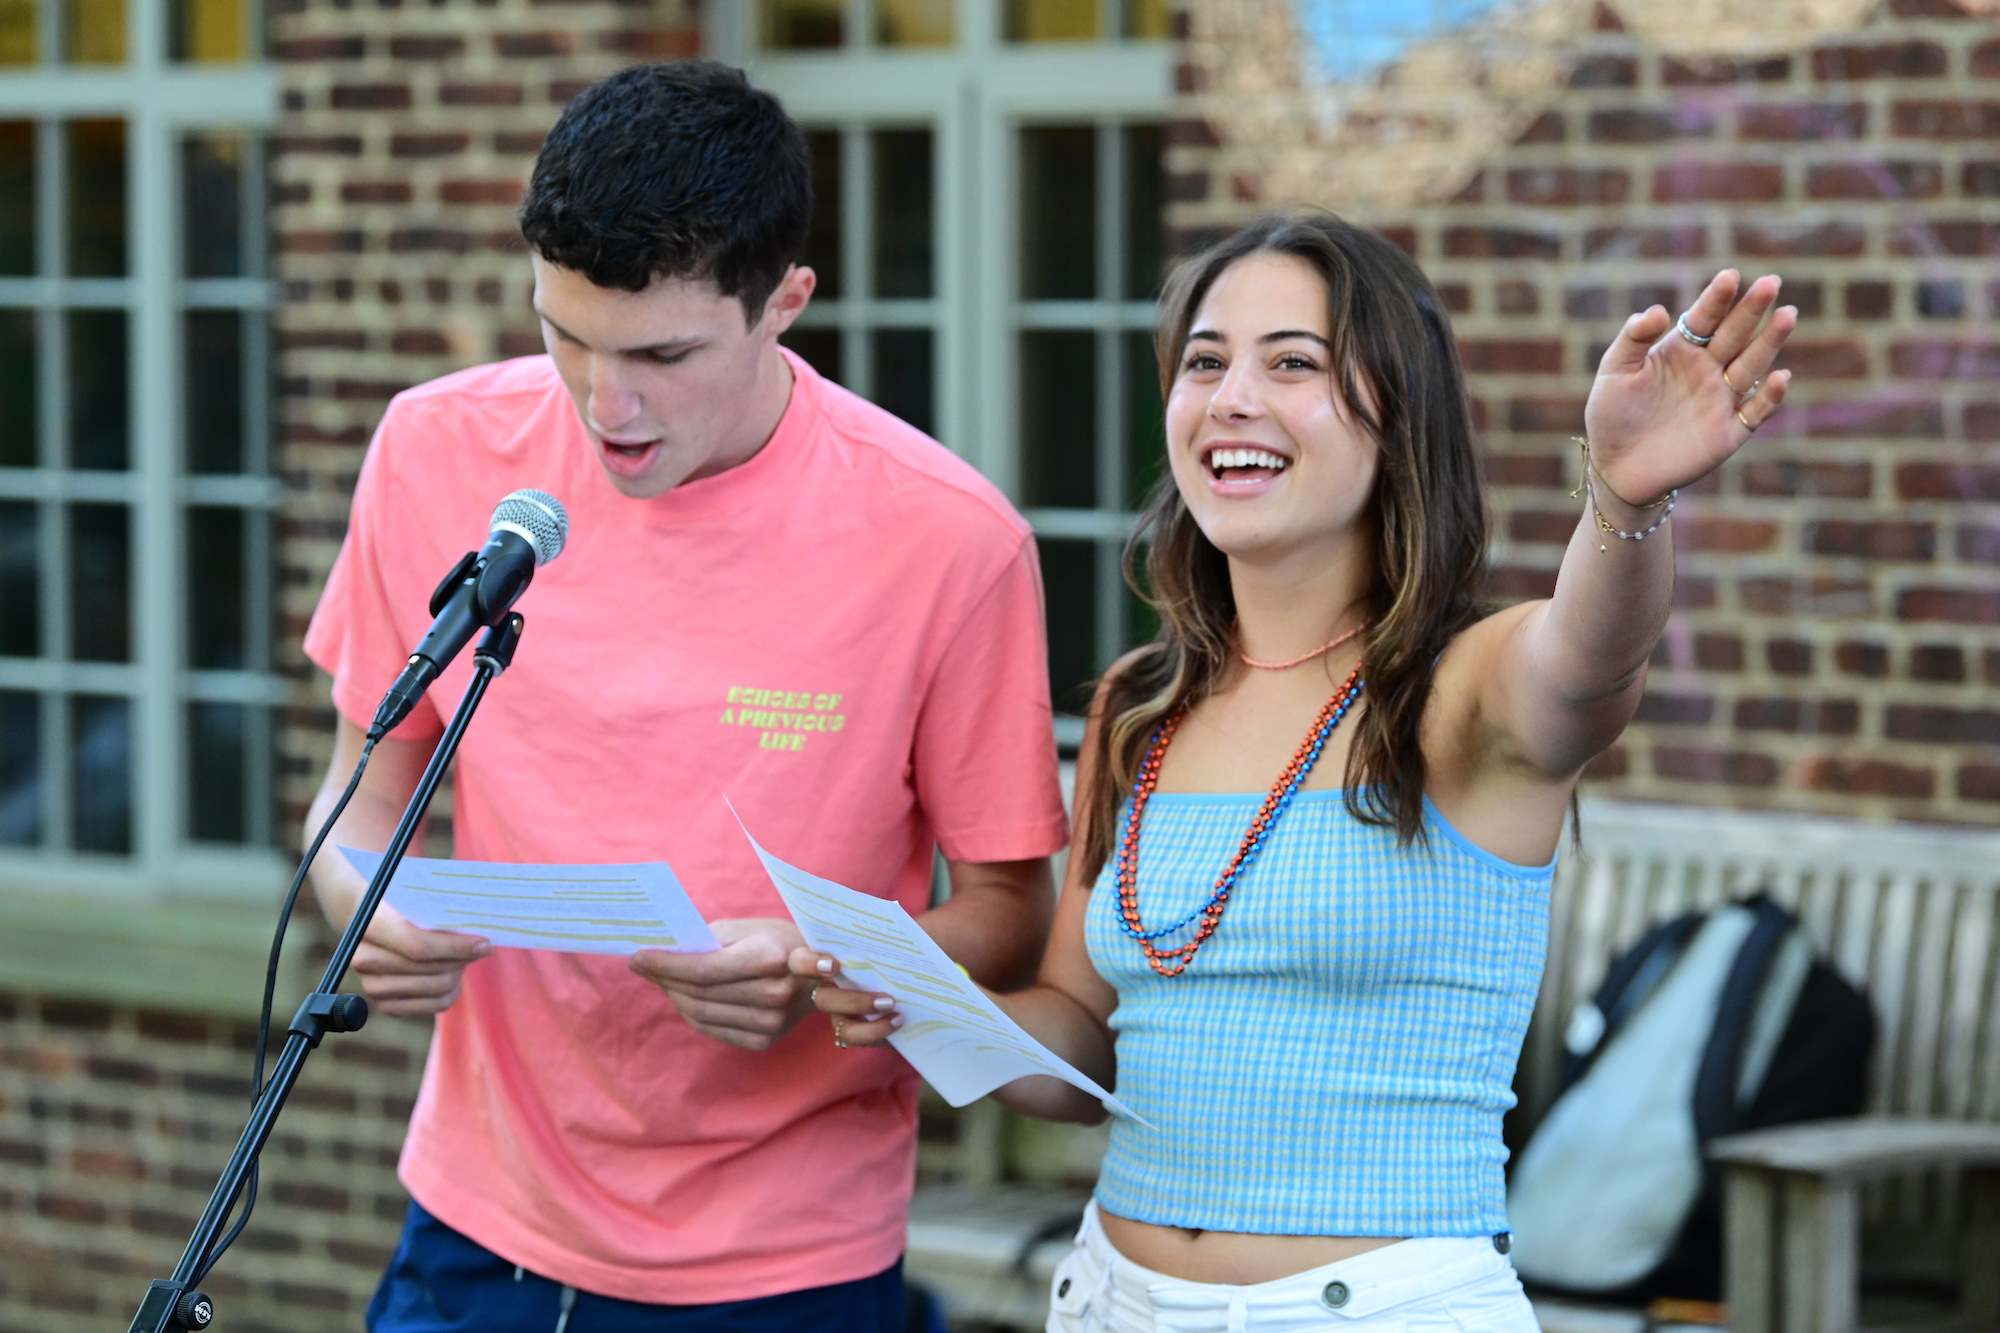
point(1429, 1285)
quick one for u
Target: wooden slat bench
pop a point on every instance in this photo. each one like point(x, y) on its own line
point(1911, 914)
point(1792, 1215)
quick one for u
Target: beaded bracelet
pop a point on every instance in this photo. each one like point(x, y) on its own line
point(1604, 524)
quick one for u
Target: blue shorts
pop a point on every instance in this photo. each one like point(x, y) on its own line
point(443, 1282)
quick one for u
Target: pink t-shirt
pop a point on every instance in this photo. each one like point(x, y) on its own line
point(844, 637)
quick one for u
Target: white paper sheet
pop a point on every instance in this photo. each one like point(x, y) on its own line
point(955, 1036)
point(614, 909)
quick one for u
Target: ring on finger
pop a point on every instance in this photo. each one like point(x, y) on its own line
point(839, 1033)
point(1746, 423)
point(1731, 385)
point(1699, 340)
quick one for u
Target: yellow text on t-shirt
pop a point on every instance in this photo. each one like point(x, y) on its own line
point(783, 718)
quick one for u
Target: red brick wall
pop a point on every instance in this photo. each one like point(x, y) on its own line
point(115, 1124)
point(1838, 633)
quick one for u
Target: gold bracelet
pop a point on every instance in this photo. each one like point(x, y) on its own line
point(1584, 445)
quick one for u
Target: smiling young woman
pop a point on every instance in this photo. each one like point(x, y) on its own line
point(1306, 908)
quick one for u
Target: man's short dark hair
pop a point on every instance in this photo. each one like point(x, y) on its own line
point(680, 170)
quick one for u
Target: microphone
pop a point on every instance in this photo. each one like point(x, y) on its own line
point(528, 530)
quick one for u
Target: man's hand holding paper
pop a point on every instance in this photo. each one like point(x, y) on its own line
point(741, 993)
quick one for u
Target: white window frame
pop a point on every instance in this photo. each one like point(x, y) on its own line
point(977, 95)
point(160, 102)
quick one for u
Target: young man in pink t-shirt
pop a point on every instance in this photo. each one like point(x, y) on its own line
point(773, 592)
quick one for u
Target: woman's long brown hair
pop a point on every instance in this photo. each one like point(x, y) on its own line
point(1389, 333)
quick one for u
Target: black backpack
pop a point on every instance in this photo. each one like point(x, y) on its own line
point(1783, 1038)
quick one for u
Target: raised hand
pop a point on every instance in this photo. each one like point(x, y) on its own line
point(1672, 401)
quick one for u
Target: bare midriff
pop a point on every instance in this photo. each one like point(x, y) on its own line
point(1231, 1258)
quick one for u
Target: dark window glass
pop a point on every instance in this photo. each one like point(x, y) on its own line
point(218, 755)
point(913, 22)
point(1051, 20)
point(1147, 19)
point(20, 414)
point(209, 32)
point(17, 197)
point(820, 348)
point(822, 250)
point(212, 202)
point(1145, 207)
point(1145, 419)
point(1059, 212)
point(19, 41)
point(216, 598)
point(214, 349)
point(96, 198)
point(99, 389)
point(20, 579)
point(1069, 581)
point(101, 779)
point(20, 768)
point(100, 571)
point(904, 376)
point(803, 23)
point(903, 213)
point(1059, 418)
point(94, 32)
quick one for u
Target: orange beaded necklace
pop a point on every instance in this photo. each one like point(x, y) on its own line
point(1174, 961)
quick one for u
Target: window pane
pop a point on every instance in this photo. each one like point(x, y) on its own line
point(17, 195)
point(1069, 581)
point(94, 32)
point(99, 381)
point(20, 415)
point(20, 579)
point(1059, 419)
point(100, 571)
point(20, 768)
point(210, 32)
point(216, 598)
point(903, 376)
point(822, 250)
point(1059, 212)
point(820, 348)
point(903, 213)
point(1145, 443)
point(793, 23)
point(1145, 212)
point(1147, 19)
point(1052, 20)
point(218, 754)
point(101, 779)
point(214, 350)
point(212, 205)
point(18, 31)
point(97, 196)
point(913, 22)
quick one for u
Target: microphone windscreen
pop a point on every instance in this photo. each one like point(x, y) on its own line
point(537, 516)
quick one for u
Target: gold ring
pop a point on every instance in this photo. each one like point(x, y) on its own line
point(1746, 425)
point(1732, 387)
point(839, 1037)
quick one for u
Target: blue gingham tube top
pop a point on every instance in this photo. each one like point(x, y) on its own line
point(1337, 1060)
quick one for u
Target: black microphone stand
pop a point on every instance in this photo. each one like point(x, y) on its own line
point(172, 1305)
